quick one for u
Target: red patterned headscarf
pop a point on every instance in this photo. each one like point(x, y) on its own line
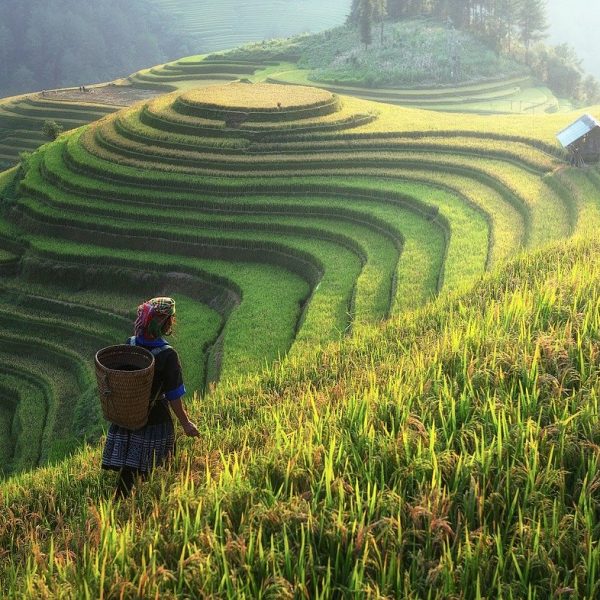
point(152, 316)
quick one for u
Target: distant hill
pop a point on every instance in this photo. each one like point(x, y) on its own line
point(56, 43)
point(229, 23)
point(576, 23)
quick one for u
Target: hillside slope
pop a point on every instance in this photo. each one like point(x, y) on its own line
point(281, 217)
point(229, 23)
point(57, 43)
point(451, 452)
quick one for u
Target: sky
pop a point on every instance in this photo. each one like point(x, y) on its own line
point(577, 22)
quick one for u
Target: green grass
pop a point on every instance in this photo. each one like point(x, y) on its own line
point(390, 421)
point(272, 297)
point(518, 208)
point(6, 256)
point(22, 417)
point(460, 439)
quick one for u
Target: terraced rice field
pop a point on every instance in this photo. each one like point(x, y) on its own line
point(280, 217)
point(21, 118)
point(203, 70)
point(514, 95)
point(511, 95)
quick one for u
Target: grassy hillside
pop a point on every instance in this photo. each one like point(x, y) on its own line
point(334, 60)
point(407, 53)
point(377, 75)
point(281, 217)
point(451, 452)
point(55, 43)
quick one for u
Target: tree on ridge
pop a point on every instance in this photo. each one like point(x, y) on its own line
point(532, 23)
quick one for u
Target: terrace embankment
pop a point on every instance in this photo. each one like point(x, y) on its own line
point(283, 217)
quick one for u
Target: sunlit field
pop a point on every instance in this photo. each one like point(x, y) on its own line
point(387, 318)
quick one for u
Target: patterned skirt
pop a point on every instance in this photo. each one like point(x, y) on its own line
point(141, 449)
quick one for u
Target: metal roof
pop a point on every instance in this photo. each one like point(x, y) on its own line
point(577, 130)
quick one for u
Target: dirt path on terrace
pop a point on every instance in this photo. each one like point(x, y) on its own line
point(114, 95)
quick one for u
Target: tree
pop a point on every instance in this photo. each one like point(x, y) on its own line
point(590, 89)
point(458, 13)
point(51, 129)
point(564, 70)
point(532, 23)
point(397, 8)
point(507, 14)
point(354, 15)
point(365, 21)
point(379, 8)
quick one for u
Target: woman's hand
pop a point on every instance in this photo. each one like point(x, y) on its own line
point(190, 429)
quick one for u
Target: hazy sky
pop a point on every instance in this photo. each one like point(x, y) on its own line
point(578, 23)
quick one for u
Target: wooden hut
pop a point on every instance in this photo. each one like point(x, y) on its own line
point(582, 140)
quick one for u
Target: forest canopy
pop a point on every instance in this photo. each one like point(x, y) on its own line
point(55, 43)
point(513, 28)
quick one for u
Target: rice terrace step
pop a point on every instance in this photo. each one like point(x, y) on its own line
point(387, 321)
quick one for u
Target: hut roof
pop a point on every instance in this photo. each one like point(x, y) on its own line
point(577, 130)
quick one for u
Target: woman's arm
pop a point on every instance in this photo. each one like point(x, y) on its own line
point(179, 410)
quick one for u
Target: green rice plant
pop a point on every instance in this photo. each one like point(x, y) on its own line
point(7, 443)
point(129, 125)
point(515, 151)
point(258, 98)
point(471, 221)
point(161, 114)
point(414, 233)
point(24, 399)
point(552, 213)
point(459, 240)
point(379, 255)
point(66, 113)
point(22, 120)
point(69, 377)
point(271, 297)
point(339, 270)
point(197, 330)
point(206, 69)
point(282, 156)
point(579, 188)
point(449, 451)
point(83, 107)
point(400, 94)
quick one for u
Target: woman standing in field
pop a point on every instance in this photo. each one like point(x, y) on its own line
point(135, 453)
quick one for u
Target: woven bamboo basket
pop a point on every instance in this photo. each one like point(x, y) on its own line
point(124, 374)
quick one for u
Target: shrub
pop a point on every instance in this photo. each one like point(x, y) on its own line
point(52, 129)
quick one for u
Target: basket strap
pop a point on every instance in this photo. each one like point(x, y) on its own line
point(156, 351)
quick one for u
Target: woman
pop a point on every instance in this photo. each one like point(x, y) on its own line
point(134, 453)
